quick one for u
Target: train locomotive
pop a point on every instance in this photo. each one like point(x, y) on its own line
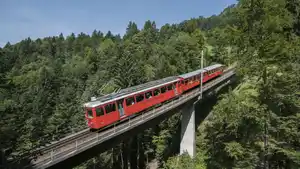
point(112, 108)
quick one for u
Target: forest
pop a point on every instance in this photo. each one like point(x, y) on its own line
point(44, 82)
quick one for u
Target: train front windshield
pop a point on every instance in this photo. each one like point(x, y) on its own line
point(89, 113)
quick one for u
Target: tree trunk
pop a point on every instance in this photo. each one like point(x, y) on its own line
point(133, 153)
point(124, 155)
point(141, 153)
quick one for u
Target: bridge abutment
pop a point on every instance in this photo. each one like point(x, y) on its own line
point(188, 138)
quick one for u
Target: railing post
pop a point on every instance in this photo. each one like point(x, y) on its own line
point(51, 154)
point(76, 144)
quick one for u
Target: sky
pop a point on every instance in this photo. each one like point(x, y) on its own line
point(21, 19)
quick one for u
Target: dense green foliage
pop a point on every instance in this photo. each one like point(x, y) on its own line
point(257, 124)
point(44, 82)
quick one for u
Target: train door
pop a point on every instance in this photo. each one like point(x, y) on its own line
point(175, 88)
point(180, 89)
point(120, 107)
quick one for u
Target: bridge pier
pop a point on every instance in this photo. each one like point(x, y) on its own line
point(188, 140)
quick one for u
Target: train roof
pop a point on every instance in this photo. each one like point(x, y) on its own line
point(197, 72)
point(191, 74)
point(213, 67)
point(130, 91)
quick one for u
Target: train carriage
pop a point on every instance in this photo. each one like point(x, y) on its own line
point(112, 108)
point(192, 79)
point(212, 72)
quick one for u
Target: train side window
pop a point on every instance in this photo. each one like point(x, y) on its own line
point(99, 111)
point(90, 113)
point(170, 87)
point(130, 101)
point(186, 81)
point(107, 109)
point(139, 97)
point(163, 89)
point(110, 108)
point(156, 92)
point(148, 95)
point(174, 85)
point(113, 107)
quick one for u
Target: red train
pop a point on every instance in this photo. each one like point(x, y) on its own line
point(114, 107)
